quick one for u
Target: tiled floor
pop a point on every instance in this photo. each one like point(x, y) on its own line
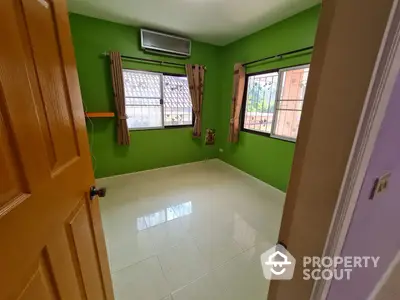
point(189, 232)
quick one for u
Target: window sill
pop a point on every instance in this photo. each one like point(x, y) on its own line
point(161, 128)
point(267, 135)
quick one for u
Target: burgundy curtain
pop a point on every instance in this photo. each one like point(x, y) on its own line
point(239, 78)
point(195, 75)
point(119, 97)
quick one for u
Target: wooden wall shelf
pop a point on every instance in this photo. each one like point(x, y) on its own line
point(99, 114)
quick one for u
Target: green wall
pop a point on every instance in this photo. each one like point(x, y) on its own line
point(151, 148)
point(265, 158)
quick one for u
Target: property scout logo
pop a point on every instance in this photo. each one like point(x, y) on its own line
point(278, 264)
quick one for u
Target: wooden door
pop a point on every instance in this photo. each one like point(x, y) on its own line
point(52, 244)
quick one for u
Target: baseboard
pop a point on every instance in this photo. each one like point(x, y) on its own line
point(278, 191)
point(155, 169)
point(249, 175)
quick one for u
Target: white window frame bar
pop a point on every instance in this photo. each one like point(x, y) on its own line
point(160, 75)
point(277, 100)
point(162, 99)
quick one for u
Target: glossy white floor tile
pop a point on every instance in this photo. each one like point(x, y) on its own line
point(183, 264)
point(143, 280)
point(204, 287)
point(218, 246)
point(193, 231)
point(129, 249)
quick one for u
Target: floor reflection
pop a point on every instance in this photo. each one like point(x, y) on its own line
point(164, 215)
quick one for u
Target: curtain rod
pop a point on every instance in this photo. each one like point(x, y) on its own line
point(277, 55)
point(149, 60)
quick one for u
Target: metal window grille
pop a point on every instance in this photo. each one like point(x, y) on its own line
point(260, 103)
point(154, 100)
point(177, 103)
point(143, 98)
point(289, 103)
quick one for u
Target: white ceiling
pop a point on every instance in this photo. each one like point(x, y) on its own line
point(217, 22)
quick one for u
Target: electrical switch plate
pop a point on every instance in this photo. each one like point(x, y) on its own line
point(380, 185)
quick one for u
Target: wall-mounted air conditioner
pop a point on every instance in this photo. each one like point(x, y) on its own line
point(167, 44)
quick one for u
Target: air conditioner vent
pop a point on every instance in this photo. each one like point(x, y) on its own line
point(153, 41)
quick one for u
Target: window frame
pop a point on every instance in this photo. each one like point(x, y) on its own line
point(278, 91)
point(182, 125)
point(244, 102)
point(162, 127)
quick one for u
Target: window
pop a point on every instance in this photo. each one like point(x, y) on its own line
point(156, 100)
point(274, 101)
point(177, 102)
point(260, 102)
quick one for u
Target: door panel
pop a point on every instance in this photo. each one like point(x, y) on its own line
point(13, 187)
point(84, 246)
point(45, 45)
point(52, 244)
point(41, 285)
point(64, 264)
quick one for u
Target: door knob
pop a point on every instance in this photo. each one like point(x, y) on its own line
point(101, 192)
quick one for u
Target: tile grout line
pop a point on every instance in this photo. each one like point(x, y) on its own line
point(133, 264)
point(171, 247)
point(166, 280)
point(213, 269)
point(151, 256)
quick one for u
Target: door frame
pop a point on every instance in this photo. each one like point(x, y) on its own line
point(379, 93)
point(342, 66)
